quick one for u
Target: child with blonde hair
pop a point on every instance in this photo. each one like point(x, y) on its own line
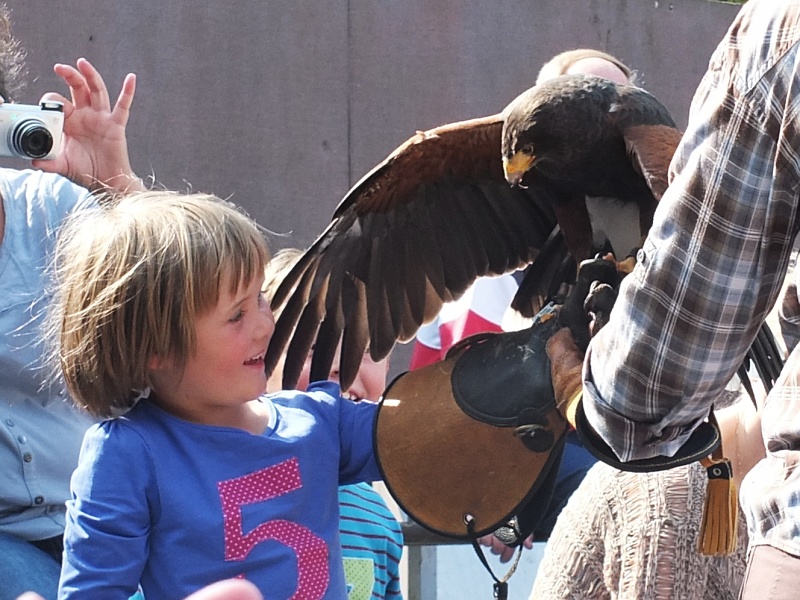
point(195, 475)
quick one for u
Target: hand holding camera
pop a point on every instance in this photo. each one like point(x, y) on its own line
point(94, 147)
point(81, 137)
point(31, 132)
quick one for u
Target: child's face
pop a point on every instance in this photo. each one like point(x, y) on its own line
point(227, 369)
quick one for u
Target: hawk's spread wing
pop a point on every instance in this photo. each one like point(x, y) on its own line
point(413, 234)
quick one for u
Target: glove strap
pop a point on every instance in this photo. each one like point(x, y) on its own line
point(500, 587)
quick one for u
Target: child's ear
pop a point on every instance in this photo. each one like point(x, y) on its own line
point(155, 362)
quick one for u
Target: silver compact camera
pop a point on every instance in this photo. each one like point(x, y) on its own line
point(28, 131)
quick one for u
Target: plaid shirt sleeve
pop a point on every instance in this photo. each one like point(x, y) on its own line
point(715, 259)
point(789, 317)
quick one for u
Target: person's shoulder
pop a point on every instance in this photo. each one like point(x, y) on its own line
point(124, 432)
point(324, 392)
point(33, 181)
point(323, 399)
point(45, 191)
point(136, 423)
point(367, 496)
point(363, 503)
point(119, 453)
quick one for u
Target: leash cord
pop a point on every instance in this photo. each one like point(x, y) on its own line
point(500, 585)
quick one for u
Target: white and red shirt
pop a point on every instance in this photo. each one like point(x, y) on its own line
point(482, 308)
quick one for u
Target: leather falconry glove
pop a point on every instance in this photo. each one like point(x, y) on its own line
point(575, 313)
point(585, 312)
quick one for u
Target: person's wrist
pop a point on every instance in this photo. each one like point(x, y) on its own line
point(566, 364)
point(569, 406)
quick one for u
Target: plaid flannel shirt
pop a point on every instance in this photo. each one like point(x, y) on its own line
point(712, 268)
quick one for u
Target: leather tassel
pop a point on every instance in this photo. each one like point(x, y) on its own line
point(718, 532)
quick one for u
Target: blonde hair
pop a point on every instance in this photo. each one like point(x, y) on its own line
point(276, 270)
point(131, 279)
point(560, 63)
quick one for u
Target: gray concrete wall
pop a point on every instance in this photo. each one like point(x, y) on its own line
point(283, 105)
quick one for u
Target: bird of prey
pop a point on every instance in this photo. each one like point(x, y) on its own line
point(479, 197)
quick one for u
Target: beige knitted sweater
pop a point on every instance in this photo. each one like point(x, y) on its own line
point(633, 536)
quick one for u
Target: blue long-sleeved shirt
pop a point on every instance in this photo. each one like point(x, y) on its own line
point(177, 505)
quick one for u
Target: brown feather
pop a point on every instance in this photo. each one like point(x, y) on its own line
point(302, 341)
point(651, 148)
point(327, 339)
point(290, 313)
point(355, 338)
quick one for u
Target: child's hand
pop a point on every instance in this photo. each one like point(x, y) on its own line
point(229, 589)
point(94, 150)
point(498, 548)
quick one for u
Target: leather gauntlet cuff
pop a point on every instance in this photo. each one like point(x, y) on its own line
point(566, 369)
point(701, 443)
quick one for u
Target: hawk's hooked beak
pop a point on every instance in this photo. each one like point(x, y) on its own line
point(516, 167)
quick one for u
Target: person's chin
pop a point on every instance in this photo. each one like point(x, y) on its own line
point(259, 384)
